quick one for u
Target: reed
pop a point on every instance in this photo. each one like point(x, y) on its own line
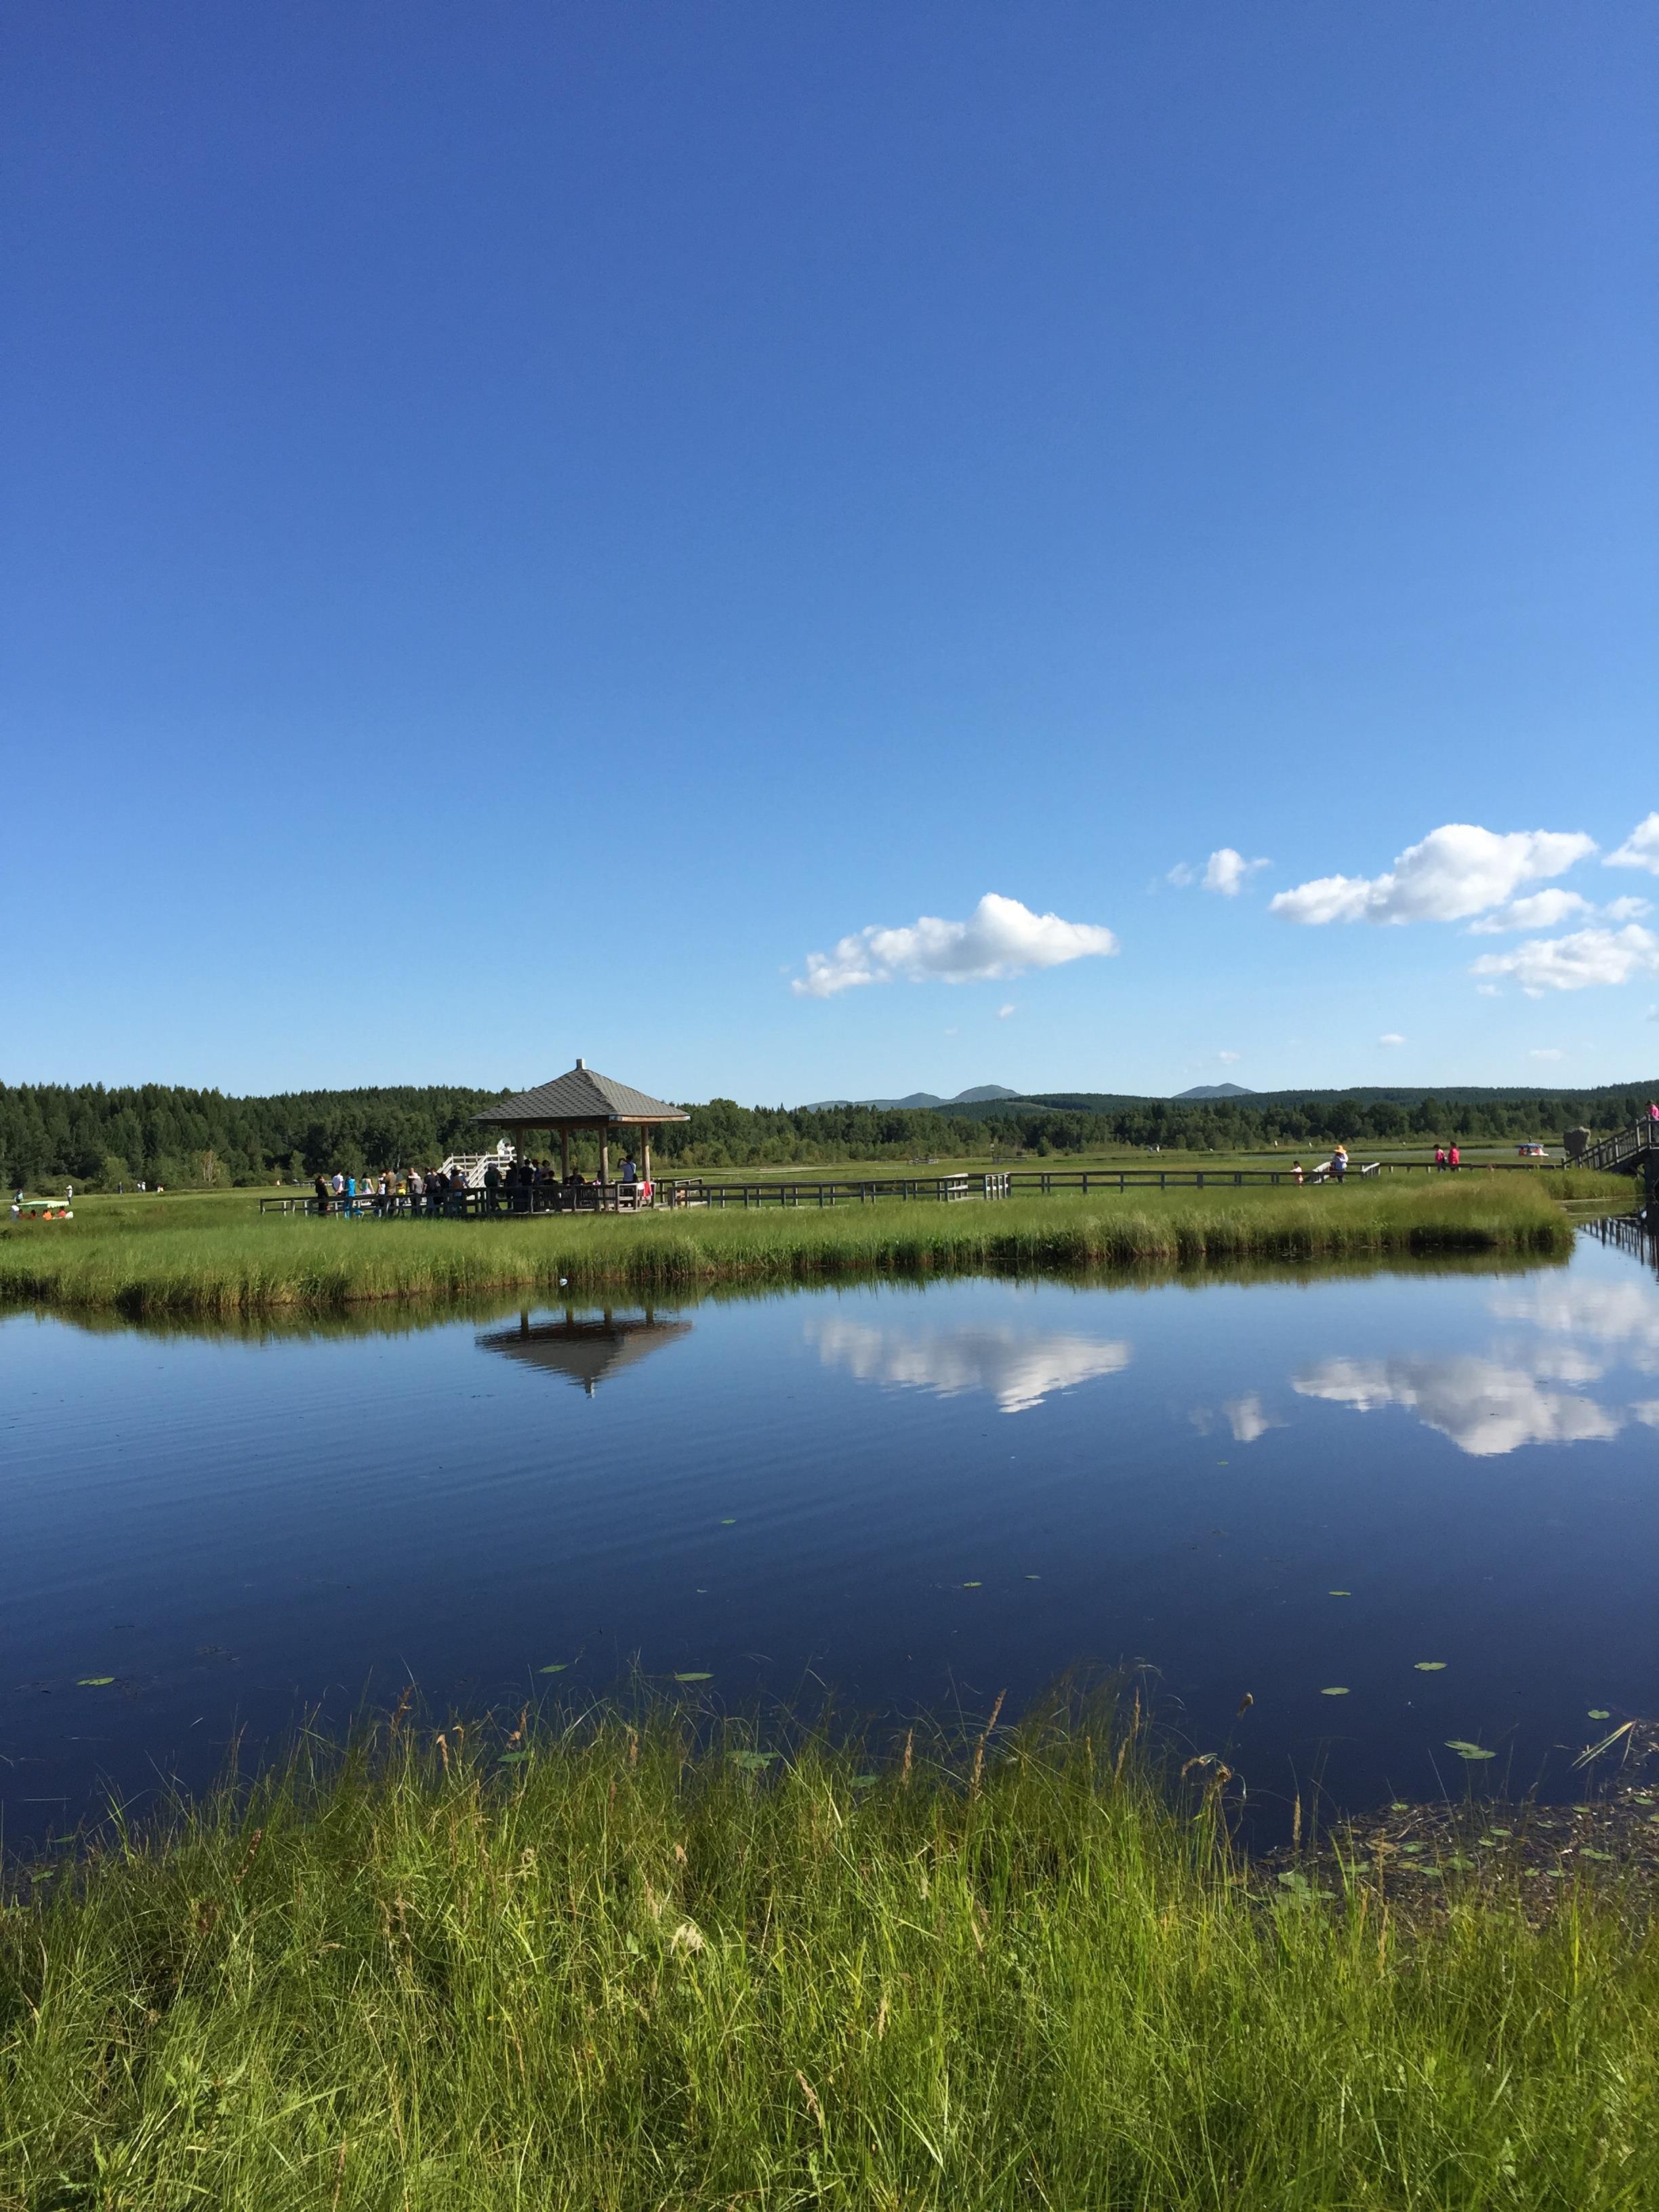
point(636, 1961)
point(239, 1265)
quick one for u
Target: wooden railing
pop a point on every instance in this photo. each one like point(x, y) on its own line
point(1623, 1152)
point(701, 1191)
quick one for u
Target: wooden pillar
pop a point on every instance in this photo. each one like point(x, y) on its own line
point(564, 1151)
point(605, 1153)
point(645, 1142)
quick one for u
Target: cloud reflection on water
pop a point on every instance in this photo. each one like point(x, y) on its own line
point(1247, 1417)
point(1486, 1406)
point(1622, 1318)
point(1016, 1368)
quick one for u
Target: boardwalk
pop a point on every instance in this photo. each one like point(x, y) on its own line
point(685, 1192)
point(1632, 1151)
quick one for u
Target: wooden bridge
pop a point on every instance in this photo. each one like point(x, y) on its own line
point(1632, 1151)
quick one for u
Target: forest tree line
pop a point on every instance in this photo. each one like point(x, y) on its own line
point(184, 1139)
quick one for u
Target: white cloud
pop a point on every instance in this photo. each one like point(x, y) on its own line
point(1627, 909)
point(1230, 1057)
point(1646, 1411)
point(1017, 1370)
point(1640, 849)
point(1485, 1408)
point(1391, 1036)
point(1573, 963)
point(1457, 870)
point(1547, 1052)
point(999, 938)
point(1227, 871)
point(1538, 910)
point(1004, 1013)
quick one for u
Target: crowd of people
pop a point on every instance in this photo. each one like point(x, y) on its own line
point(522, 1186)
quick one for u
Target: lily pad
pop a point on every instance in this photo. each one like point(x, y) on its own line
point(730, 1522)
point(1339, 1592)
point(1467, 1750)
point(513, 1757)
point(753, 1762)
point(1599, 1713)
point(557, 1667)
point(1336, 1689)
point(973, 1586)
point(695, 1674)
point(1430, 1666)
point(94, 1681)
point(865, 1781)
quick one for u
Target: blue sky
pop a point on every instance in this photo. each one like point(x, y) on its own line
point(525, 523)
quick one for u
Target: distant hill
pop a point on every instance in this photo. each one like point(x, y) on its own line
point(1603, 1104)
point(920, 1102)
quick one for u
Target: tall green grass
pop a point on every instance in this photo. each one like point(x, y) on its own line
point(237, 1266)
point(626, 1967)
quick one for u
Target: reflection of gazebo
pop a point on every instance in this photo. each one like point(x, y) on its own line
point(582, 1100)
point(586, 1352)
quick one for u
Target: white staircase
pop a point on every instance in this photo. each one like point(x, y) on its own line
point(472, 1165)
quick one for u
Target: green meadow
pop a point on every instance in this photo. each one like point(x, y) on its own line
point(217, 1257)
point(640, 1961)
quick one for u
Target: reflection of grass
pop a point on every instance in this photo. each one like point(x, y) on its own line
point(404, 1316)
point(250, 1266)
point(637, 1965)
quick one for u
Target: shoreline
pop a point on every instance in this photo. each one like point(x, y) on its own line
point(271, 1264)
point(644, 1956)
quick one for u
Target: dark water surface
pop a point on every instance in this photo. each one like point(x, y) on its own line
point(918, 1496)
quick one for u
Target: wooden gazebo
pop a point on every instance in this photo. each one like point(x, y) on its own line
point(583, 1099)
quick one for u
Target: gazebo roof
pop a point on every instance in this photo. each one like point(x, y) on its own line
point(584, 1096)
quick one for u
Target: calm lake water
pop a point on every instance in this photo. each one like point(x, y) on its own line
point(916, 1496)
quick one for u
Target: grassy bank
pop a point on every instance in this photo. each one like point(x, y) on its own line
point(235, 1264)
point(622, 1966)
